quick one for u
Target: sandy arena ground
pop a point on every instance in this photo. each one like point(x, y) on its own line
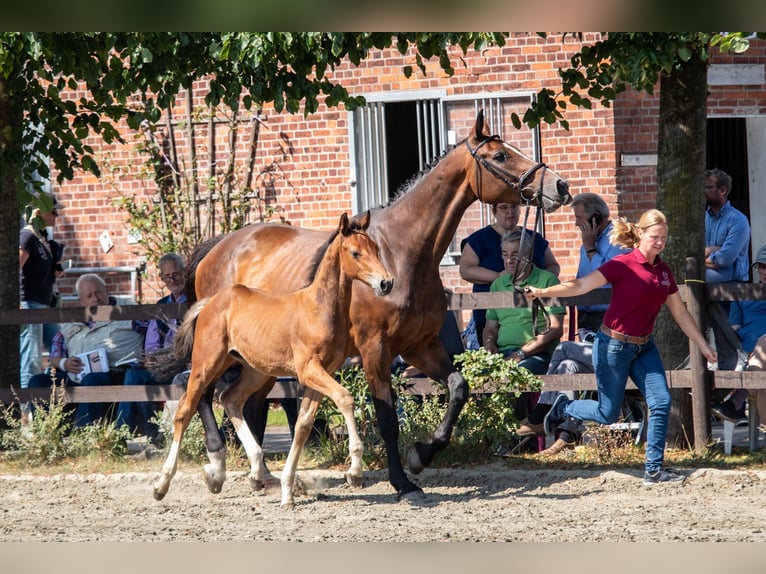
point(489, 503)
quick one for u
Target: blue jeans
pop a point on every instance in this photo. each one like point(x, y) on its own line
point(536, 364)
point(615, 361)
point(85, 413)
point(88, 413)
point(31, 346)
point(137, 414)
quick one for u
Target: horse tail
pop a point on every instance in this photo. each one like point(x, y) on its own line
point(190, 271)
point(164, 364)
point(184, 340)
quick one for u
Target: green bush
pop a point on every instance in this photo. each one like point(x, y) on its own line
point(486, 423)
point(50, 437)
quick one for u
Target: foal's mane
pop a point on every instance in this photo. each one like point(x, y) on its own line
point(319, 256)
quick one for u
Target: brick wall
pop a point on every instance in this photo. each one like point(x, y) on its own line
point(302, 164)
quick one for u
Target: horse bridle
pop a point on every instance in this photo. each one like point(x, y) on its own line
point(519, 182)
point(510, 179)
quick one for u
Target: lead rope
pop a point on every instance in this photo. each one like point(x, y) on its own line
point(537, 306)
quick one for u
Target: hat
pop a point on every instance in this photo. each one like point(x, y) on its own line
point(761, 256)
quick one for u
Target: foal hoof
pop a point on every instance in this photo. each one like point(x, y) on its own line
point(257, 484)
point(354, 481)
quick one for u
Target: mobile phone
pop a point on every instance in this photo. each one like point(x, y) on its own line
point(596, 219)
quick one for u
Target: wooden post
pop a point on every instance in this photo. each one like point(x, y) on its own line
point(701, 377)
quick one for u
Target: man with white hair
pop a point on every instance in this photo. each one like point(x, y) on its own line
point(117, 338)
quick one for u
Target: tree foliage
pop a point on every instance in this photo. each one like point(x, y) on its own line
point(602, 70)
point(133, 76)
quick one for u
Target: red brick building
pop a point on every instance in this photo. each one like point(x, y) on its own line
point(311, 169)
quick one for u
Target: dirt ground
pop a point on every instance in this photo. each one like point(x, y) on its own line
point(489, 503)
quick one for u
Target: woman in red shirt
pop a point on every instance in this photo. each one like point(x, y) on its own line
point(624, 346)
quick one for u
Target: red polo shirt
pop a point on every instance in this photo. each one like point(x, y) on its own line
point(639, 289)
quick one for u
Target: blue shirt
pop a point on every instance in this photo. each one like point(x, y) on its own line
point(751, 316)
point(730, 230)
point(605, 251)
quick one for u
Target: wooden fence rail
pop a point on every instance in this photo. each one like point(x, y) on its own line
point(697, 378)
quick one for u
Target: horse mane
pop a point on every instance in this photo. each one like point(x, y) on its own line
point(319, 256)
point(413, 180)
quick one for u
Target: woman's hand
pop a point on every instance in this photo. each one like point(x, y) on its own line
point(709, 353)
point(532, 293)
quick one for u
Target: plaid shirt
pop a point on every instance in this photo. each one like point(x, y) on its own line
point(59, 349)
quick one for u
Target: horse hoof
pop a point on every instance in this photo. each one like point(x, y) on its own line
point(257, 485)
point(290, 505)
point(412, 496)
point(213, 485)
point(413, 461)
point(354, 481)
point(159, 495)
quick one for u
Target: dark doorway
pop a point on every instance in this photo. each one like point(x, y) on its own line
point(727, 150)
point(401, 144)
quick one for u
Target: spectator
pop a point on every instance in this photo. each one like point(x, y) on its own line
point(727, 237)
point(159, 335)
point(481, 262)
point(727, 240)
point(39, 262)
point(511, 331)
point(624, 347)
point(570, 357)
point(117, 338)
point(748, 320)
point(757, 362)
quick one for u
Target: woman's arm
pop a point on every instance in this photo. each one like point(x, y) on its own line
point(551, 264)
point(23, 256)
point(471, 271)
point(686, 322)
point(571, 288)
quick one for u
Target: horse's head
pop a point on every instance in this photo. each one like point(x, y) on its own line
point(503, 174)
point(360, 256)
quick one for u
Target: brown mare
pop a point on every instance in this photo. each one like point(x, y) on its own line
point(413, 233)
point(302, 333)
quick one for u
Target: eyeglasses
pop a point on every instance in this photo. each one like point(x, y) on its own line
point(172, 276)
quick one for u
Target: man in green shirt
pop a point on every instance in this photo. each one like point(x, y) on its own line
point(511, 330)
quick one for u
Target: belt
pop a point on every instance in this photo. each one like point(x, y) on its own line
point(623, 337)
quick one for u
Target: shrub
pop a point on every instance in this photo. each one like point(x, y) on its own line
point(486, 422)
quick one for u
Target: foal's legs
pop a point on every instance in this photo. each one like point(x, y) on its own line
point(187, 405)
point(303, 425)
point(233, 400)
point(318, 382)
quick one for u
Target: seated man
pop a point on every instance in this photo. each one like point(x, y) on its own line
point(116, 338)
point(511, 331)
point(757, 362)
point(748, 320)
point(159, 335)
